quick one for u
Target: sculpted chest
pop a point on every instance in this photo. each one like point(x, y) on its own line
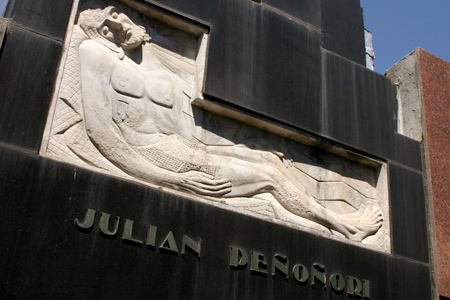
point(136, 105)
point(127, 79)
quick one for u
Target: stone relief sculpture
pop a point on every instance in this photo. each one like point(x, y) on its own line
point(124, 106)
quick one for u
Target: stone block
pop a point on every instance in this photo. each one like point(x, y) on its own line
point(28, 68)
point(308, 11)
point(45, 17)
point(343, 29)
point(408, 208)
point(266, 63)
point(405, 76)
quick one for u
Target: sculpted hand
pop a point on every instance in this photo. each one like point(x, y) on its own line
point(201, 183)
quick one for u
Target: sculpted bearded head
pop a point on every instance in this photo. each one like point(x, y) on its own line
point(111, 25)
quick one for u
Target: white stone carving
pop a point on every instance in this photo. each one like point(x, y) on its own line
point(124, 107)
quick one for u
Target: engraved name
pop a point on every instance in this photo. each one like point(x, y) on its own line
point(110, 228)
point(240, 259)
point(317, 275)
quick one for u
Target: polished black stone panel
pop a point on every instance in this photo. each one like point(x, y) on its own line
point(17, 176)
point(343, 29)
point(340, 102)
point(408, 213)
point(28, 66)
point(359, 105)
point(377, 107)
point(359, 109)
point(308, 11)
point(46, 256)
point(406, 151)
point(47, 17)
point(410, 281)
point(264, 62)
point(206, 12)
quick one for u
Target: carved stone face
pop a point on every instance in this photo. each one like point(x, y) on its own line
point(119, 29)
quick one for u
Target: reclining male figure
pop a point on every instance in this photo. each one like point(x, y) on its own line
point(135, 119)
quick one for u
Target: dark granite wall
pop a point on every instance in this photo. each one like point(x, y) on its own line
point(341, 29)
point(295, 63)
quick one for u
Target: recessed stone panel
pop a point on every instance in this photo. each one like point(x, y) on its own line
point(124, 107)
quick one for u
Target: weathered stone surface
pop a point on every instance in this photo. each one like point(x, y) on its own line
point(406, 77)
point(3, 25)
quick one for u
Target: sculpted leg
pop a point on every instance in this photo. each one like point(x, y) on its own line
point(355, 226)
point(249, 179)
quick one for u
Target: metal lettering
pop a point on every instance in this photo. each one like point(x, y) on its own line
point(354, 286)
point(281, 263)
point(104, 225)
point(128, 232)
point(301, 273)
point(258, 264)
point(337, 282)
point(366, 288)
point(194, 246)
point(318, 272)
point(238, 258)
point(169, 243)
point(151, 236)
point(89, 219)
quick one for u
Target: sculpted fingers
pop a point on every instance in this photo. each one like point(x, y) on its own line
point(214, 182)
point(205, 184)
point(212, 190)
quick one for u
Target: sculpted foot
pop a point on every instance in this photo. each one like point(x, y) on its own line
point(362, 223)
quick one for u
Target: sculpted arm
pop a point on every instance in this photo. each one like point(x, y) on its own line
point(97, 63)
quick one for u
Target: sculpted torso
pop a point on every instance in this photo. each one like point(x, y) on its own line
point(144, 104)
point(140, 112)
point(138, 116)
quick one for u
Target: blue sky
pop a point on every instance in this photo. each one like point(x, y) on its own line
point(399, 26)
